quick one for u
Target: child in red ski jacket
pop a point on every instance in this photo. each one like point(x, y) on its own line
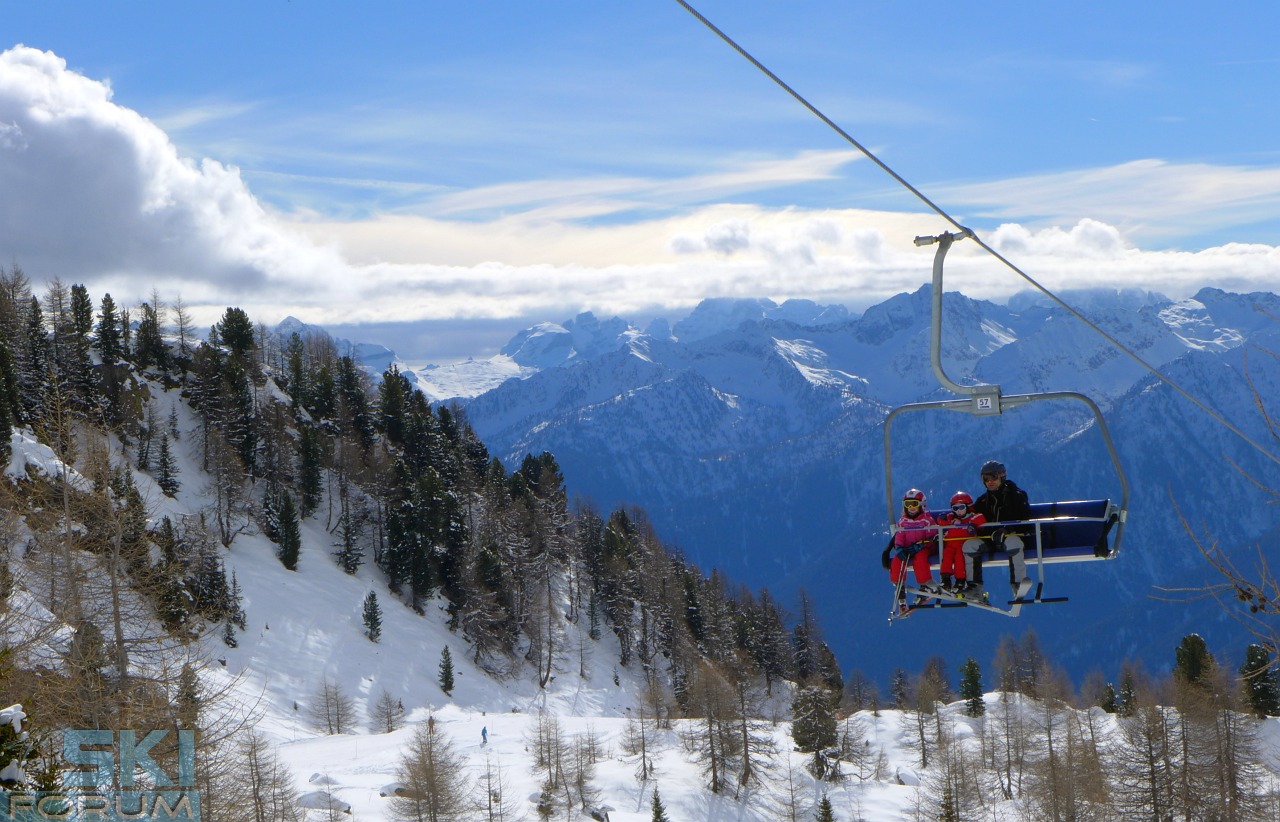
point(963, 522)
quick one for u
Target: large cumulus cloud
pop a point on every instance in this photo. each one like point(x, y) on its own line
point(92, 191)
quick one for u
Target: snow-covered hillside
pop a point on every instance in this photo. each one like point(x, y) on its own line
point(305, 630)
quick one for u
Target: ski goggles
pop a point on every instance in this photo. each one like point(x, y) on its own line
point(959, 507)
point(911, 503)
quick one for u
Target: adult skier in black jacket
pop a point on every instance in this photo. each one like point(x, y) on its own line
point(1003, 501)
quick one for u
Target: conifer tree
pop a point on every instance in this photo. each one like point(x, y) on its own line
point(349, 554)
point(297, 372)
point(1108, 700)
point(446, 671)
point(290, 534)
point(1261, 681)
point(825, 813)
point(81, 311)
point(235, 331)
point(149, 348)
point(33, 366)
point(659, 812)
point(310, 476)
point(8, 399)
point(79, 366)
point(166, 469)
point(971, 688)
point(1193, 664)
point(900, 690)
point(108, 340)
point(372, 617)
point(235, 604)
point(813, 723)
point(546, 804)
point(1127, 698)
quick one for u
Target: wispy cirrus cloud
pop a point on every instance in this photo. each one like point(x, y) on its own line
point(630, 193)
point(1150, 199)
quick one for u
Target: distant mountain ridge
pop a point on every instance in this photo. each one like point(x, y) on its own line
point(752, 434)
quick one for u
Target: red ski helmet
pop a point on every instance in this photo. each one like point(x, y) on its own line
point(915, 494)
point(961, 498)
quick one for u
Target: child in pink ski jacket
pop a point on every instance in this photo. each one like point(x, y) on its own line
point(916, 536)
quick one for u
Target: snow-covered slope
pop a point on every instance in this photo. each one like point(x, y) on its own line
point(305, 627)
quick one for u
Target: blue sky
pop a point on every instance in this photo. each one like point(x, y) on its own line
point(481, 166)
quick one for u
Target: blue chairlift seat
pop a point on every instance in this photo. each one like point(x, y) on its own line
point(1071, 531)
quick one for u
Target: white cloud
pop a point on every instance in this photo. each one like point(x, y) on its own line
point(93, 192)
point(1151, 199)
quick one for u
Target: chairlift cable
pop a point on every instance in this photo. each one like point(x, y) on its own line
point(870, 155)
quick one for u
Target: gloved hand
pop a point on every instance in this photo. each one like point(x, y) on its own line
point(997, 538)
point(971, 528)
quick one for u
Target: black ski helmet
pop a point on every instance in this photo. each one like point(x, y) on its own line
point(994, 468)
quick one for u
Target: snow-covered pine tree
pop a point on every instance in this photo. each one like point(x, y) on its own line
point(971, 688)
point(166, 468)
point(1127, 698)
point(1193, 664)
point(446, 671)
point(350, 555)
point(149, 348)
point(657, 810)
point(813, 719)
point(8, 399)
point(1261, 681)
point(310, 472)
point(900, 696)
point(108, 337)
point(290, 541)
point(372, 615)
point(235, 604)
point(269, 515)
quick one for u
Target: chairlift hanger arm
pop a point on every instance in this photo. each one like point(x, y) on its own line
point(983, 399)
point(944, 242)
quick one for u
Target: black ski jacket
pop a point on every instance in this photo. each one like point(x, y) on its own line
point(1006, 504)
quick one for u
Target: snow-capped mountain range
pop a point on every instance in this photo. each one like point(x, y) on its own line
point(752, 434)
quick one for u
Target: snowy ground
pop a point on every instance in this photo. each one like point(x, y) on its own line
point(306, 627)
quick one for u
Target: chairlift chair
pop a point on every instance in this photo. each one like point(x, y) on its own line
point(1068, 531)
